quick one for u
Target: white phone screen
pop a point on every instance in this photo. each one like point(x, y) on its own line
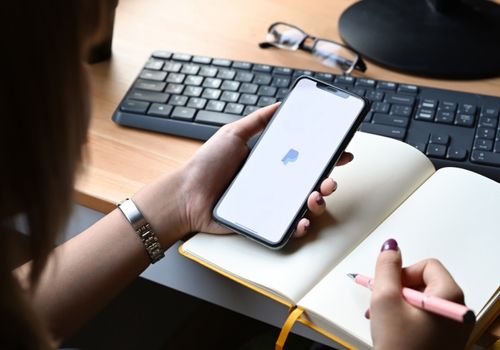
point(291, 156)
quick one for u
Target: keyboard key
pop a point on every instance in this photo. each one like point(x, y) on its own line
point(178, 100)
point(221, 62)
point(384, 130)
point(195, 80)
point(267, 91)
point(183, 113)
point(365, 82)
point(282, 70)
point(165, 55)
point(326, 77)
point(381, 107)
point(281, 94)
point(173, 67)
point(160, 110)
point(404, 111)
point(134, 106)
point(244, 77)
point(448, 106)
point(281, 82)
point(195, 102)
point(230, 96)
point(467, 108)
point(485, 133)
point(174, 89)
point(212, 94)
point(234, 108)
point(216, 106)
point(488, 111)
point(153, 75)
point(176, 78)
point(374, 95)
point(483, 145)
point(154, 64)
point(436, 151)
point(400, 99)
point(209, 72)
point(264, 68)
point(193, 91)
point(242, 65)
point(249, 109)
point(488, 122)
point(358, 91)
point(182, 57)
point(392, 120)
point(149, 96)
point(421, 146)
point(345, 80)
point(444, 116)
point(408, 89)
point(483, 157)
point(497, 147)
point(226, 74)
point(213, 83)
point(190, 69)
point(265, 101)
point(201, 59)
point(456, 153)
point(428, 104)
point(262, 79)
point(465, 120)
point(440, 139)
point(230, 85)
point(149, 85)
point(248, 99)
point(216, 118)
point(248, 88)
point(425, 114)
point(386, 85)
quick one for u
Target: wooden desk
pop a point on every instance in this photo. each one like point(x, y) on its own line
point(121, 160)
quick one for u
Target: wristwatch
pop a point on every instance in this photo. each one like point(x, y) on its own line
point(143, 229)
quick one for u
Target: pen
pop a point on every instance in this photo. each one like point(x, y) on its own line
point(439, 306)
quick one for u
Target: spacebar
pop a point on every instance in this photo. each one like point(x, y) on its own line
point(215, 118)
point(384, 130)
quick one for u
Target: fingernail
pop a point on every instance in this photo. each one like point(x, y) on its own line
point(335, 185)
point(351, 156)
point(390, 244)
point(367, 314)
point(306, 227)
point(320, 200)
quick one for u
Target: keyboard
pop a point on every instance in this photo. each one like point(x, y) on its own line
point(193, 96)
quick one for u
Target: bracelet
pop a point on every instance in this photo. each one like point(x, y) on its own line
point(143, 229)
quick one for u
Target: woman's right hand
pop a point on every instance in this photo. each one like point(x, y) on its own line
point(395, 324)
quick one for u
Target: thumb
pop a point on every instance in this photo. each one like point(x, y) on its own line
point(388, 270)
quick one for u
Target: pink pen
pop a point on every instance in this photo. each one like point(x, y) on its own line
point(430, 303)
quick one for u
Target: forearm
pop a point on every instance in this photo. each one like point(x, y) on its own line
point(86, 272)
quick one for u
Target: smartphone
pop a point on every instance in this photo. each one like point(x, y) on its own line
point(294, 154)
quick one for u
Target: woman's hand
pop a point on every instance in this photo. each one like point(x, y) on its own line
point(212, 168)
point(395, 324)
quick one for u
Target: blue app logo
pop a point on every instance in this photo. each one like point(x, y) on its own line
point(290, 157)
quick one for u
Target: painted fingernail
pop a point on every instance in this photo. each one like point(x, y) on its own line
point(306, 227)
point(320, 200)
point(335, 185)
point(367, 314)
point(390, 244)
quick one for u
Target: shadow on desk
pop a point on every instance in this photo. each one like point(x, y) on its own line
point(150, 316)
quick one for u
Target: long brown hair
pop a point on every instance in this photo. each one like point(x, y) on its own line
point(44, 111)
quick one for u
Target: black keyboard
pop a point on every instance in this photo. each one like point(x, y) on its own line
point(192, 96)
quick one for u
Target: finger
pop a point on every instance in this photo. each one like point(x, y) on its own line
point(328, 186)
point(254, 122)
point(302, 227)
point(436, 279)
point(345, 158)
point(388, 271)
point(316, 203)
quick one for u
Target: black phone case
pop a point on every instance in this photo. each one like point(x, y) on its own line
point(327, 170)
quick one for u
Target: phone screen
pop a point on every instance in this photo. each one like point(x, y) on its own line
point(297, 147)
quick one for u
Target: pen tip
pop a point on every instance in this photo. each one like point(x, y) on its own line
point(352, 275)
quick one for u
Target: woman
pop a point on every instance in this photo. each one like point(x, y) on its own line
point(45, 112)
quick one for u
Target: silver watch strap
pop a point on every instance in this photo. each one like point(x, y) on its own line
point(143, 229)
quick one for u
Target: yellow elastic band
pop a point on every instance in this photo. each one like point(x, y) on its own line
point(287, 327)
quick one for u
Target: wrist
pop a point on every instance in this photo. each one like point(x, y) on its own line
point(161, 203)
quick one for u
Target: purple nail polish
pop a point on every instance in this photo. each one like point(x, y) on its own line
point(320, 200)
point(390, 244)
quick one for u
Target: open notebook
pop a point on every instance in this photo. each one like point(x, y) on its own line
point(389, 190)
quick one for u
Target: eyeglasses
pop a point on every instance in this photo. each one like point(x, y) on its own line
point(332, 54)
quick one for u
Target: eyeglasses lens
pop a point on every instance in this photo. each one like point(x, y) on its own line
point(334, 55)
point(285, 37)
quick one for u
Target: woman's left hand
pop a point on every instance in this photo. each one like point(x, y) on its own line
point(212, 168)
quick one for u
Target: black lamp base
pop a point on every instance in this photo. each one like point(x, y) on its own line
point(411, 36)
